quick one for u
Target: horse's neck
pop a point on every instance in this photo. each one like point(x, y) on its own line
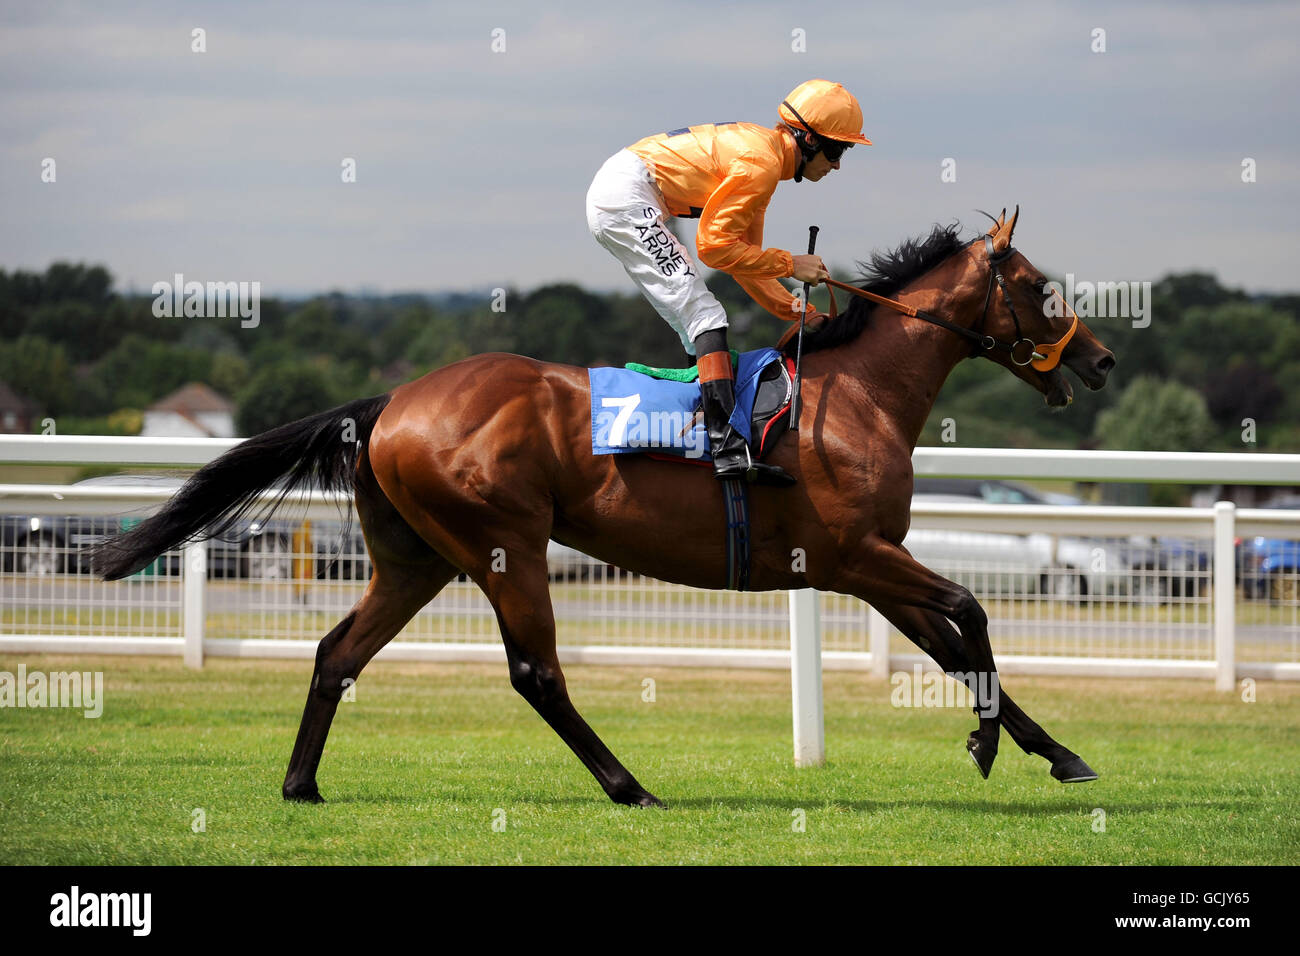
point(902, 362)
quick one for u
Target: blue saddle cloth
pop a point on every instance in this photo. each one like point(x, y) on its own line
point(632, 412)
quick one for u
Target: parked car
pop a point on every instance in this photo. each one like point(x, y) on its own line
point(53, 544)
point(1165, 567)
point(1159, 568)
point(1066, 566)
point(50, 544)
point(564, 563)
point(1270, 567)
point(1006, 564)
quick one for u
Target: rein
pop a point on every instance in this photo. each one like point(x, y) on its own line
point(1044, 358)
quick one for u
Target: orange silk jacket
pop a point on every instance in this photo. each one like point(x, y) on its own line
point(725, 174)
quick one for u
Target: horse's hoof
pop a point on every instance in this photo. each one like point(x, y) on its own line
point(982, 754)
point(642, 798)
point(1072, 769)
point(303, 794)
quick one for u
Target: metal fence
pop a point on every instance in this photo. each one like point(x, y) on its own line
point(1067, 589)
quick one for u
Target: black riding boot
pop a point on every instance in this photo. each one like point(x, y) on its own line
point(730, 451)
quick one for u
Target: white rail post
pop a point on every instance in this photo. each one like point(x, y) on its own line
point(1225, 596)
point(878, 642)
point(194, 583)
point(806, 678)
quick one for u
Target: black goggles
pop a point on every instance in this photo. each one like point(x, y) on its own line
point(832, 149)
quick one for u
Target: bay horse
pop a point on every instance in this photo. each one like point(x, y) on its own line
point(474, 466)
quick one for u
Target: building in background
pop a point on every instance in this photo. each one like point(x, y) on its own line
point(17, 414)
point(192, 411)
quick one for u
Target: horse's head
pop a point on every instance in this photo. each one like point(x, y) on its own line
point(1035, 330)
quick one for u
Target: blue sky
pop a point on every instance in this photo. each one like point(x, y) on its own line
point(473, 165)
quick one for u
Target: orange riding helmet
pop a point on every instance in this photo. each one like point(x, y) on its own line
point(824, 117)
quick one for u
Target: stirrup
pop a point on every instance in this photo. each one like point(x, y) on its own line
point(757, 473)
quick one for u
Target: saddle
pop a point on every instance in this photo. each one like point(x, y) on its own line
point(770, 417)
point(656, 412)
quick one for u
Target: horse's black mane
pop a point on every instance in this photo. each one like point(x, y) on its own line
point(885, 274)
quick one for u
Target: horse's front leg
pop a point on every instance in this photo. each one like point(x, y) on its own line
point(934, 634)
point(884, 574)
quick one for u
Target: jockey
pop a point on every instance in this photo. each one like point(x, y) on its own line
point(724, 174)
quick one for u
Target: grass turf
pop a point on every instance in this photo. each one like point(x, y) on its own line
point(428, 757)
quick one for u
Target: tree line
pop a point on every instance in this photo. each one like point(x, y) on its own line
point(93, 357)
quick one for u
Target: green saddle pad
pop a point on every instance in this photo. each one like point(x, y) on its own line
point(675, 374)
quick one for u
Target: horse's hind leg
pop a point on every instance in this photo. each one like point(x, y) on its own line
point(408, 574)
point(932, 633)
point(392, 598)
point(521, 597)
point(491, 512)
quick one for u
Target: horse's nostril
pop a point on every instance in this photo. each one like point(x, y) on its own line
point(1105, 365)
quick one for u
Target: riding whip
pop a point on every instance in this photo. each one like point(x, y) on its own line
point(795, 406)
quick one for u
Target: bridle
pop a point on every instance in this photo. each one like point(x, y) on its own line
point(1023, 351)
point(1050, 355)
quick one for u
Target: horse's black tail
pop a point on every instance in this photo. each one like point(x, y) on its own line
point(319, 451)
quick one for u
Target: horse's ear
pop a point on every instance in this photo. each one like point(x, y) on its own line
point(998, 223)
point(1002, 238)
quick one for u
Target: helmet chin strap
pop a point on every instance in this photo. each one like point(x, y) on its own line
point(805, 151)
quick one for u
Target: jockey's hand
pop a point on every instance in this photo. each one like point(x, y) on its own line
point(810, 269)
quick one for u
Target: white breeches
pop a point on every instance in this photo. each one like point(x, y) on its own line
point(625, 212)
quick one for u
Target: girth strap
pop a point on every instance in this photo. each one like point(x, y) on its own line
point(736, 495)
